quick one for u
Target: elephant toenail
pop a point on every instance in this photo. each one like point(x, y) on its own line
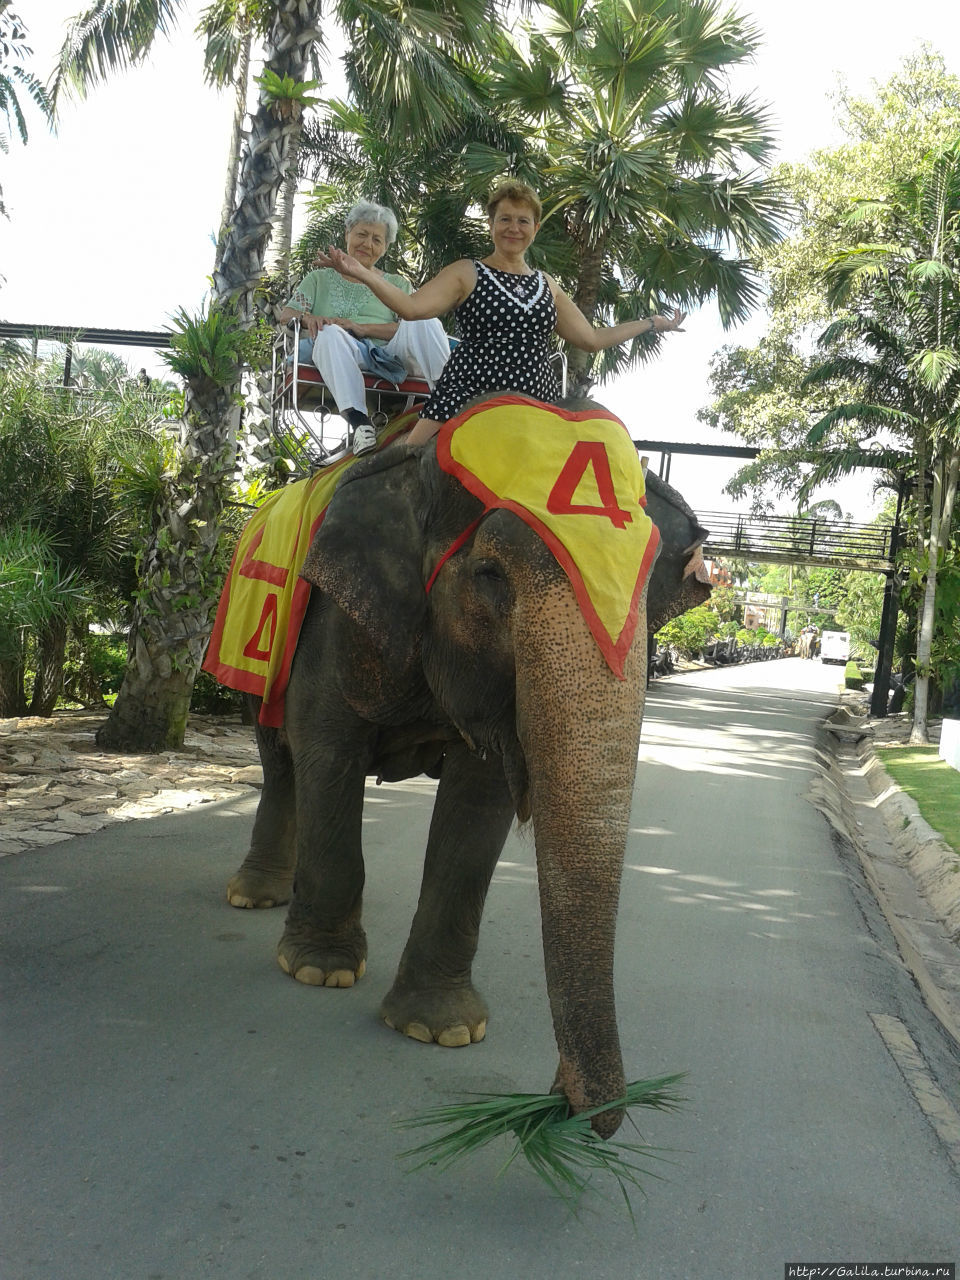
point(417, 1031)
point(454, 1037)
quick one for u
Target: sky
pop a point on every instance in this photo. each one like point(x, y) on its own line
point(112, 220)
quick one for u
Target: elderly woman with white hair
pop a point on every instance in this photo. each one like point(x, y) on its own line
point(343, 319)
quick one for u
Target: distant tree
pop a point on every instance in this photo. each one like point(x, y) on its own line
point(761, 392)
point(900, 347)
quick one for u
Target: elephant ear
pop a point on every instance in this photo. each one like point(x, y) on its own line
point(367, 554)
point(679, 580)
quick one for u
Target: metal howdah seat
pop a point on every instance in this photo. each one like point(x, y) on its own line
point(304, 417)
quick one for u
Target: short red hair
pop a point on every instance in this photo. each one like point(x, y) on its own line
point(519, 193)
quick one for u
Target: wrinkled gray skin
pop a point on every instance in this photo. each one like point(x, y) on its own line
point(491, 683)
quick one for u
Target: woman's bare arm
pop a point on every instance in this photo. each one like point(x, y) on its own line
point(443, 293)
point(574, 327)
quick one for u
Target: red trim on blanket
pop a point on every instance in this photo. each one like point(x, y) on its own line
point(453, 548)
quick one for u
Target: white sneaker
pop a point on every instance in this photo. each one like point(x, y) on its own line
point(364, 439)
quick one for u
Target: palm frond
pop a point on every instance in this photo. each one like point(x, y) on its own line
point(110, 36)
point(835, 464)
point(873, 415)
point(561, 1148)
point(934, 368)
point(713, 130)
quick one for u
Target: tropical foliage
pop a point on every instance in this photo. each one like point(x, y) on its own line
point(15, 78)
point(651, 171)
point(760, 393)
point(80, 473)
point(899, 349)
point(649, 163)
point(872, 273)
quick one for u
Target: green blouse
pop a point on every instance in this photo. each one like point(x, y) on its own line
point(326, 293)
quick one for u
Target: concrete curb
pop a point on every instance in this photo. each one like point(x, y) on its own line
point(913, 874)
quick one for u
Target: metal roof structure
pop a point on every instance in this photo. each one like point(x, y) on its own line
point(69, 334)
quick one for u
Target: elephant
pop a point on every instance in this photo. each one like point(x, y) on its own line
point(809, 643)
point(492, 684)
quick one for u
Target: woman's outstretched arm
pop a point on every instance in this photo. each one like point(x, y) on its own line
point(574, 327)
point(446, 290)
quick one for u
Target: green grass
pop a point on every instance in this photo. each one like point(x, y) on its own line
point(934, 785)
point(561, 1148)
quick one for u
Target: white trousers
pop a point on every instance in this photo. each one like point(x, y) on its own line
point(421, 346)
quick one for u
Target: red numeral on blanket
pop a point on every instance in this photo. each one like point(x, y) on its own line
point(262, 570)
point(587, 453)
point(254, 648)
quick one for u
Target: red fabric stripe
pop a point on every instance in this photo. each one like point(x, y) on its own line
point(453, 548)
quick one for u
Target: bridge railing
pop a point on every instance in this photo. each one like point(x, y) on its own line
point(786, 536)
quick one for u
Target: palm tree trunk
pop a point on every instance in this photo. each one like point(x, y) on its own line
point(919, 733)
point(281, 242)
point(941, 518)
point(179, 578)
point(51, 648)
point(13, 701)
point(236, 139)
point(268, 155)
point(580, 363)
point(179, 583)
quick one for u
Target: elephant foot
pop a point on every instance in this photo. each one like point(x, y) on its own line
point(320, 959)
point(450, 1017)
point(252, 888)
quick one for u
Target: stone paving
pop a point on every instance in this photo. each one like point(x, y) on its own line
point(55, 782)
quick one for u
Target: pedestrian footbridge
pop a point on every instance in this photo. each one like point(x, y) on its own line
point(799, 540)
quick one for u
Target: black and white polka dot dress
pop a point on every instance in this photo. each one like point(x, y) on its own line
point(505, 325)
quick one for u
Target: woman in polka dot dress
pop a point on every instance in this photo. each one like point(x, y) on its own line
point(506, 312)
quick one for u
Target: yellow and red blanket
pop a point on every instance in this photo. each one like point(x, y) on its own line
point(574, 477)
point(264, 599)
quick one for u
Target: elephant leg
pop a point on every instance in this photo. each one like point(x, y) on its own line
point(433, 997)
point(265, 877)
point(323, 942)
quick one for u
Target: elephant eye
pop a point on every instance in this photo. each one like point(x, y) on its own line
point(489, 569)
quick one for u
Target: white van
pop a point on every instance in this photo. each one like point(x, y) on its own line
point(835, 646)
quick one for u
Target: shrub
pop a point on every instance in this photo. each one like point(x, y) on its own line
point(690, 631)
point(852, 676)
point(93, 667)
point(211, 698)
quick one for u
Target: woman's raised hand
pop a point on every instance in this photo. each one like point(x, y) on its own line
point(347, 265)
point(670, 323)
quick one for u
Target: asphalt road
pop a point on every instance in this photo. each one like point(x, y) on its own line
point(174, 1107)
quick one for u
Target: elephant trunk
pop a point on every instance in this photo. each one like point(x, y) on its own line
point(579, 729)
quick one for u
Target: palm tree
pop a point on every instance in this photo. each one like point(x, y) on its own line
point(180, 575)
point(900, 348)
point(618, 113)
point(642, 149)
point(13, 52)
point(228, 28)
